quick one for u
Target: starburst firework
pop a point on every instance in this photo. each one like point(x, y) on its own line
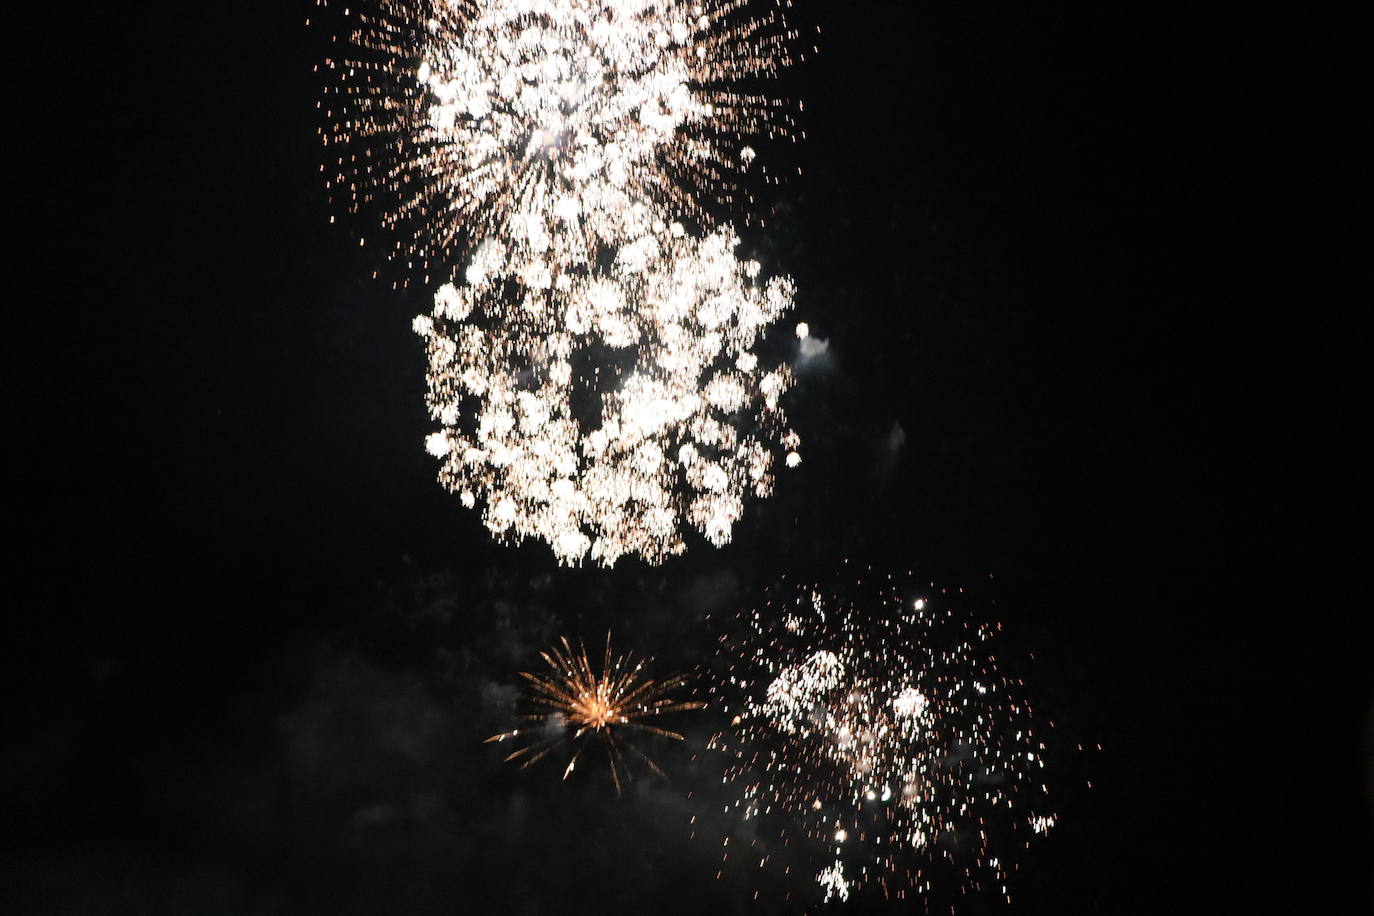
point(575, 705)
point(462, 120)
point(880, 729)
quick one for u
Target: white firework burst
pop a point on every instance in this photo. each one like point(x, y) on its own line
point(879, 729)
point(459, 120)
point(674, 426)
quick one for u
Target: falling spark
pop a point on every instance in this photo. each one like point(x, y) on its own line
point(878, 727)
point(575, 704)
point(833, 881)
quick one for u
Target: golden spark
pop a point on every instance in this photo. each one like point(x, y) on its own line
point(577, 705)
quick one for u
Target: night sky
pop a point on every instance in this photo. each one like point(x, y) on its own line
point(1096, 285)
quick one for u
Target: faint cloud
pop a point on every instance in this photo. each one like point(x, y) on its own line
point(500, 697)
point(709, 593)
point(813, 354)
point(890, 449)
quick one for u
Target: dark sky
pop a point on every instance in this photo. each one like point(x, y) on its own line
point(1105, 266)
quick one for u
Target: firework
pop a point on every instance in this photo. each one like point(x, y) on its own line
point(575, 705)
point(646, 411)
point(545, 124)
point(591, 362)
point(880, 730)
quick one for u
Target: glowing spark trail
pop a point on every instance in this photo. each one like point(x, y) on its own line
point(575, 704)
point(592, 366)
point(878, 727)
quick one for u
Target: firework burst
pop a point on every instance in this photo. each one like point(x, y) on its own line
point(591, 359)
point(575, 705)
point(463, 120)
point(645, 412)
point(879, 728)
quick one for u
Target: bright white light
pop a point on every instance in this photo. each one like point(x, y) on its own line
point(619, 109)
point(590, 357)
point(618, 459)
point(843, 703)
point(833, 881)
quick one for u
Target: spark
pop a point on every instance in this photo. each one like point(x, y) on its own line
point(575, 705)
point(880, 729)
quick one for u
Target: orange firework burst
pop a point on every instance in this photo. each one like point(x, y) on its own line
point(576, 704)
